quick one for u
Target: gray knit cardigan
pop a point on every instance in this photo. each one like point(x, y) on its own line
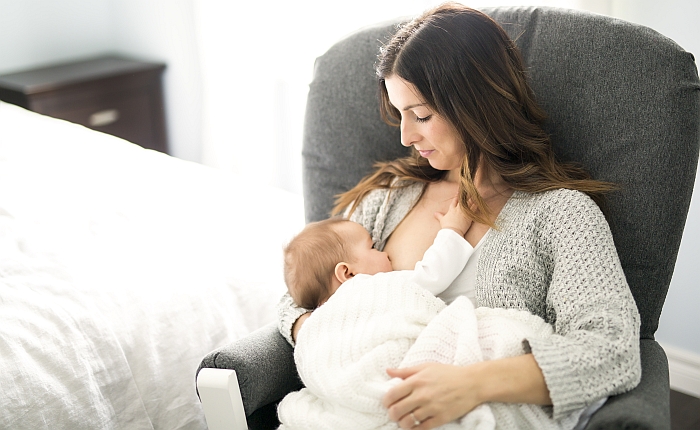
point(553, 255)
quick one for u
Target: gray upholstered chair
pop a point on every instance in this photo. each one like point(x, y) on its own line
point(622, 100)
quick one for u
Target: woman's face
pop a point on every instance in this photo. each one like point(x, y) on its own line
point(430, 134)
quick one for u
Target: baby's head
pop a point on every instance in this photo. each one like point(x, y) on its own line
point(324, 255)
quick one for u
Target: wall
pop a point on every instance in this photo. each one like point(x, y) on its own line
point(37, 32)
point(164, 30)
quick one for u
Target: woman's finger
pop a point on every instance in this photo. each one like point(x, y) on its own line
point(427, 424)
point(402, 408)
point(405, 372)
point(395, 394)
point(398, 400)
point(413, 419)
point(401, 412)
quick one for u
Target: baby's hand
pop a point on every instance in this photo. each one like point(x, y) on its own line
point(454, 219)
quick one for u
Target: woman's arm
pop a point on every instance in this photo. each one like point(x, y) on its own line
point(595, 350)
point(439, 393)
point(288, 314)
point(297, 325)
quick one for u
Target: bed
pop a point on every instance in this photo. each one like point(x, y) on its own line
point(120, 268)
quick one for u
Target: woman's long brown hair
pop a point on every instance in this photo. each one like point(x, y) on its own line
point(469, 71)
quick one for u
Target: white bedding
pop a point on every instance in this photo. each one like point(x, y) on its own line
point(120, 268)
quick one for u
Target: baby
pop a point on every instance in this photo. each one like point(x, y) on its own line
point(328, 253)
point(368, 318)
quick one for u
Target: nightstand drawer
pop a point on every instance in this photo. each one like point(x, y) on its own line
point(111, 94)
point(125, 115)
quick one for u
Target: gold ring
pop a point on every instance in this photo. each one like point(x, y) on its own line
point(416, 423)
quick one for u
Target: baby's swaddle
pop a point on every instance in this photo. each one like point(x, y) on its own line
point(386, 321)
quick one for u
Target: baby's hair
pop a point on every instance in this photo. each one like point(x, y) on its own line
point(310, 259)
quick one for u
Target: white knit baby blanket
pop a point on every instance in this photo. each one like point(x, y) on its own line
point(386, 321)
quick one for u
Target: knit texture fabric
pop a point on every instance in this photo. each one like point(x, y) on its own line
point(386, 321)
point(553, 255)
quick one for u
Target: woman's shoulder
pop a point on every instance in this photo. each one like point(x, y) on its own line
point(558, 201)
point(400, 192)
point(551, 211)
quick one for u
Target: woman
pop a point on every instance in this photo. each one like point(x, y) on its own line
point(454, 83)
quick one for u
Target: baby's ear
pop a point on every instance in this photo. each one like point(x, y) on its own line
point(342, 272)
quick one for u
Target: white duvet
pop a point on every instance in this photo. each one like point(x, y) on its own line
point(120, 268)
point(385, 321)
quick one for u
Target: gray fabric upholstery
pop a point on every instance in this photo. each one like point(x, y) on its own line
point(264, 365)
point(645, 407)
point(622, 100)
point(343, 133)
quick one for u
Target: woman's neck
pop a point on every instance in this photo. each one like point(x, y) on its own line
point(490, 183)
point(453, 176)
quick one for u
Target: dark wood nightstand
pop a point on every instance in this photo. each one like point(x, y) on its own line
point(112, 94)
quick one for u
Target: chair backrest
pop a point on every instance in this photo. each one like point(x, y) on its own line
point(622, 100)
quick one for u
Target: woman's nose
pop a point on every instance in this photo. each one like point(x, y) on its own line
point(409, 136)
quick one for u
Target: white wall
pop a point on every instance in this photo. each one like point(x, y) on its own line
point(258, 66)
point(206, 45)
point(164, 30)
point(37, 32)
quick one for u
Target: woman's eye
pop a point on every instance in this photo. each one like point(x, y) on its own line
point(423, 119)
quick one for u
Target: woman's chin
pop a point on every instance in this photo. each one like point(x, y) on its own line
point(442, 165)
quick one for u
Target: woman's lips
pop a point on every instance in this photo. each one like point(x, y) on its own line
point(425, 153)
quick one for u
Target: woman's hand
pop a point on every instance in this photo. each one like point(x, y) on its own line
point(434, 393)
point(439, 393)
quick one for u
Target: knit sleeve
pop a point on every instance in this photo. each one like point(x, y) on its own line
point(595, 351)
point(288, 312)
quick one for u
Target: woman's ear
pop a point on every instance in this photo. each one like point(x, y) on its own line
point(343, 272)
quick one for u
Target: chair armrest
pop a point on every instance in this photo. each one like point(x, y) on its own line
point(221, 399)
point(645, 407)
point(264, 364)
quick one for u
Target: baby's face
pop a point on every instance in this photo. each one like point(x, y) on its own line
point(366, 258)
